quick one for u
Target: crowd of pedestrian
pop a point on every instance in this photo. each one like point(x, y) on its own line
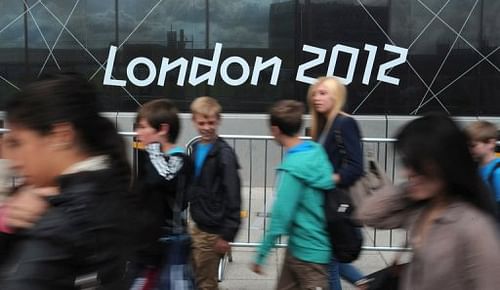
point(79, 217)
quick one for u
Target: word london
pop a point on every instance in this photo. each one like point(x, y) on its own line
point(258, 66)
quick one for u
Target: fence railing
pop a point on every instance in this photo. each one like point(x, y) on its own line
point(258, 157)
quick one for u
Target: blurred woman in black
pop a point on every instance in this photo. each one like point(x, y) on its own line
point(58, 139)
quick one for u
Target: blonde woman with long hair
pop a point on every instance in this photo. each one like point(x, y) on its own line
point(326, 99)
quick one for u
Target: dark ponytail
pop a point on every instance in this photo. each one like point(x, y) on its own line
point(105, 140)
point(69, 98)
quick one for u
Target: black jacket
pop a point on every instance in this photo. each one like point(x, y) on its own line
point(157, 196)
point(349, 167)
point(215, 194)
point(83, 234)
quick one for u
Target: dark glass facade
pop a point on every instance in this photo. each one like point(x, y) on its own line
point(399, 56)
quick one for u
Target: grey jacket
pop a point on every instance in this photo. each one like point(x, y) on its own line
point(461, 250)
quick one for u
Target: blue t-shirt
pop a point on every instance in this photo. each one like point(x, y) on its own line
point(201, 153)
point(485, 172)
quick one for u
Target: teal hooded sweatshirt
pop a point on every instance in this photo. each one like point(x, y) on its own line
point(297, 211)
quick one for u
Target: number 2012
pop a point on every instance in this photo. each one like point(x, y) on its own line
point(354, 52)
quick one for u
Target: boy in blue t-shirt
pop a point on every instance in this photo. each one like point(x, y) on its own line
point(483, 137)
point(215, 194)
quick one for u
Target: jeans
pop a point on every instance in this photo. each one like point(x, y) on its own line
point(170, 272)
point(176, 272)
point(345, 270)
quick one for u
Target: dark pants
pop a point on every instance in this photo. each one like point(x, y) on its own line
point(176, 272)
point(173, 273)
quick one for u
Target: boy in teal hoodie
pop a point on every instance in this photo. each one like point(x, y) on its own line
point(302, 177)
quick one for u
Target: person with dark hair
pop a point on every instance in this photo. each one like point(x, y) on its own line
point(330, 127)
point(19, 209)
point(57, 139)
point(164, 173)
point(302, 178)
point(444, 206)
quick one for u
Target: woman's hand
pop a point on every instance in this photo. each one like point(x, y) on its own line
point(336, 178)
point(26, 206)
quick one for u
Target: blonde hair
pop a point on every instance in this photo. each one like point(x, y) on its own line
point(482, 131)
point(206, 106)
point(338, 92)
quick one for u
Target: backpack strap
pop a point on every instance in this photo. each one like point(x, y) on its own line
point(490, 176)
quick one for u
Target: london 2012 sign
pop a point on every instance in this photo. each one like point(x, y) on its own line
point(215, 65)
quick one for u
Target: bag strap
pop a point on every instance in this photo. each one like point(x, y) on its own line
point(339, 141)
point(491, 175)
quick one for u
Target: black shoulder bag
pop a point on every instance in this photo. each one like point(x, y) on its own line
point(344, 232)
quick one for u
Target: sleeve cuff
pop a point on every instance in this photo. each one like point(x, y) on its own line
point(228, 236)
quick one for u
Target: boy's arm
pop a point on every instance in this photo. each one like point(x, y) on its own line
point(232, 188)
point(289, 192)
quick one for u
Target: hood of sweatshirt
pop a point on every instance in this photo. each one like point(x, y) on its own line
point(309, 163)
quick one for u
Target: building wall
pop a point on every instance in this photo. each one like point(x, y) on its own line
point(448, 51)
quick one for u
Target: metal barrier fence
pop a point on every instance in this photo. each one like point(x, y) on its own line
point(260, 155)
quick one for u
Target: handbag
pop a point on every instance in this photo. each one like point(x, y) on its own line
point(389, 277)
point(374, 178)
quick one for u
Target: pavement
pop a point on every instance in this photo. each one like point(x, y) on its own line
point(238, 276)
